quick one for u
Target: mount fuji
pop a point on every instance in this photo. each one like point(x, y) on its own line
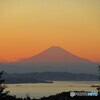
point(55, 54)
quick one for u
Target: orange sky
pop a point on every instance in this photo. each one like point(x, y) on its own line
point(28, 27)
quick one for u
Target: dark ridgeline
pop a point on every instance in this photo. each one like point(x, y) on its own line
point(47, 77)
point(4, 95)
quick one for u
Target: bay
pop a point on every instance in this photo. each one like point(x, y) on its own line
point(38, 90)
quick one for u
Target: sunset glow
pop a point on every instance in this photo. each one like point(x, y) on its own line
point(27, 27)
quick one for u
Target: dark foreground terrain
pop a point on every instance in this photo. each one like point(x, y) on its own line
point(60, 96)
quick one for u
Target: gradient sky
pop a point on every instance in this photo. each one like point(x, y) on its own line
point(28, 27)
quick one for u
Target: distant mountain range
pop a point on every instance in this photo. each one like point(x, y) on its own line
point(55, 54)
point(48, 77)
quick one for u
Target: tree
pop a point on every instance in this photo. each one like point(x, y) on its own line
point(99, 80)
point(3, 93)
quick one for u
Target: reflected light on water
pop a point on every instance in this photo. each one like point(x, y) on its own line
point(37, 90)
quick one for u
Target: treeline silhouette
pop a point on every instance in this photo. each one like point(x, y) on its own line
point(4, 95)
point(60, 96)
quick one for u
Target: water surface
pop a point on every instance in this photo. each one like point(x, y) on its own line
point(37, 90)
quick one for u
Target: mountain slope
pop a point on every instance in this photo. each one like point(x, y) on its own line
point(54, 54)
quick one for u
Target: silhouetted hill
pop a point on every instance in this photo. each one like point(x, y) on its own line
point(48, 77)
